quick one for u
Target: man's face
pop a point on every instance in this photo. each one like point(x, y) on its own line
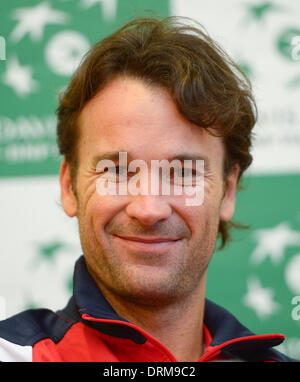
point(144, 122)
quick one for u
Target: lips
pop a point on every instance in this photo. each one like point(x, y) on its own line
point(144, 246)
point(148, 240)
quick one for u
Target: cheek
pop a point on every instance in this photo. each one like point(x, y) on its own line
point(100, 211)
point(199, 217)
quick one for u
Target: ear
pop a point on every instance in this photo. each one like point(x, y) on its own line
point(228, 202)
point(68, 198)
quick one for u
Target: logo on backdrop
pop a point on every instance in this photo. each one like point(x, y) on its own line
point(272, 245)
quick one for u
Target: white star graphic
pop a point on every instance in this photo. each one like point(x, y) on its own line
point(19, 78)
point(272, 242)
point(260, 299)
point(32, 21)
point(109, 7)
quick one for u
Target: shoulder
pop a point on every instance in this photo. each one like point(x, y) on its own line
point(236, 341)
point(19, 333)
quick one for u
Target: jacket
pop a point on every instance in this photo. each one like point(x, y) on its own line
point(88, 329)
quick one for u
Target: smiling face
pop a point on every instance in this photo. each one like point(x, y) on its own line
point(147, 248)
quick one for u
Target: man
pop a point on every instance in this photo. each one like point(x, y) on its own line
point(156, 90)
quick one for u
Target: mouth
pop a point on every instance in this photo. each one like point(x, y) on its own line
point(148, 240)
point(148, 244)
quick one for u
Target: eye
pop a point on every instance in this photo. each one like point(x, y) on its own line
point(119, 170)
point(115, 173)
point(184, 172)
point(185, 176)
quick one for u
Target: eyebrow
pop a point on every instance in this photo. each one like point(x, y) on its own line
point(189, 156)
point(114, 156)
point(111, 155)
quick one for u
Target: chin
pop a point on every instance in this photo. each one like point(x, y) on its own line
point(156, 290)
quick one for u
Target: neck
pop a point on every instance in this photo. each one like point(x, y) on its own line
point(178, 326)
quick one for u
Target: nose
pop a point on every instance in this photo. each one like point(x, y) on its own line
point(149, 209)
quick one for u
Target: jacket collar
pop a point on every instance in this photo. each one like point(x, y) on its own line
point(228, 335)
point(88, 296)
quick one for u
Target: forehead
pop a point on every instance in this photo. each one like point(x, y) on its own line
point(128, 115)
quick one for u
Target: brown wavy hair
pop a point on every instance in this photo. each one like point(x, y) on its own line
point(177, 54)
